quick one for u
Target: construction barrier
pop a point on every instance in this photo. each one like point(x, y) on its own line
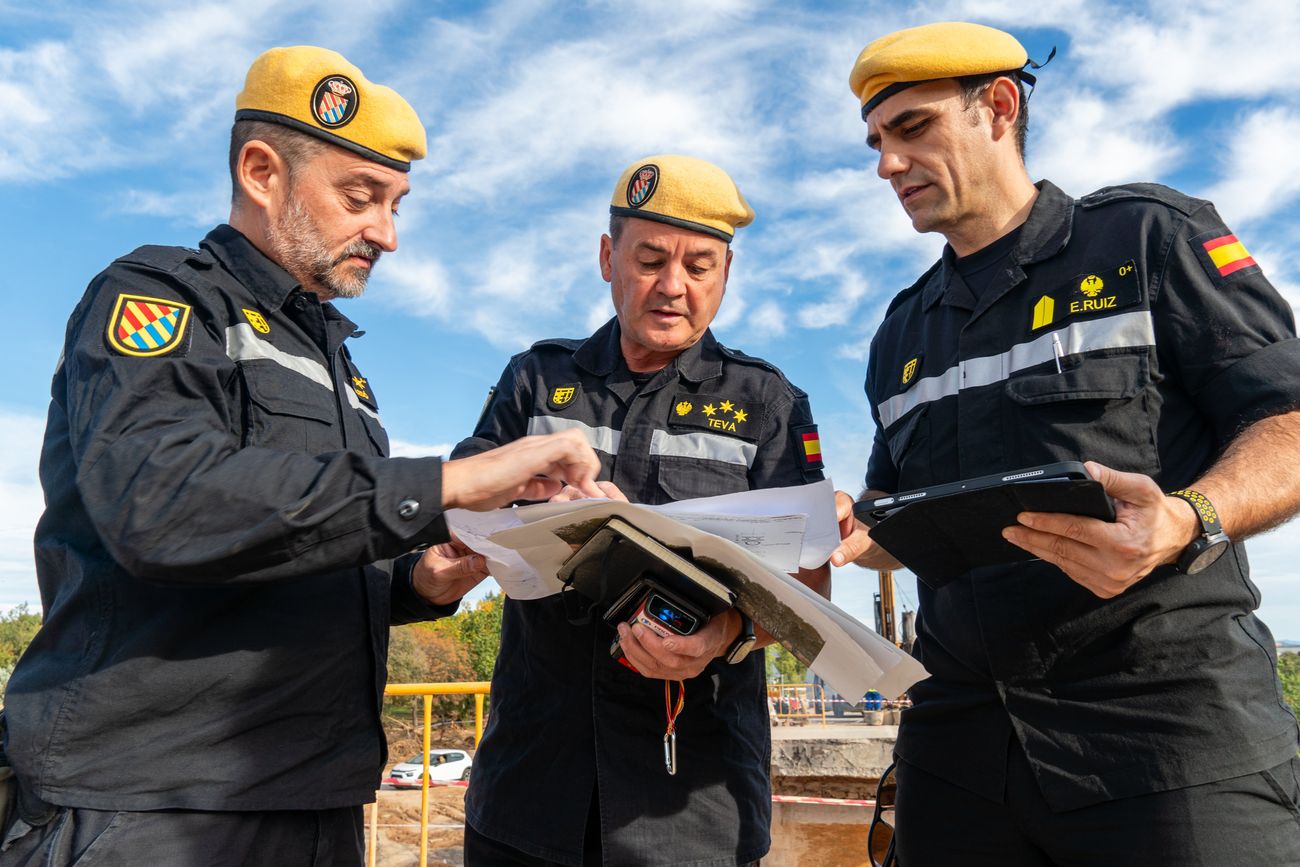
point(478, 689)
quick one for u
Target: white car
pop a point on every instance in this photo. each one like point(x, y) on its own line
point(444, 766)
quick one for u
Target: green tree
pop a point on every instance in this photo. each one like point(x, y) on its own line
point(783, 667)
point(18, 626)
point(1288, 670)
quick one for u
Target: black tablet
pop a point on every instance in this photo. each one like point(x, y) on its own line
point(946, 530)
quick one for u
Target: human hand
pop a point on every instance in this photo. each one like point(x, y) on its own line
point(680, 656)
point(531, 468)
point(1150, 529)
point(608, 489)
point(446, 572)
point(856, 545)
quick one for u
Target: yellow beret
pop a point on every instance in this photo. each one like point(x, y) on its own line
point(316, 91)
point(930, 53)
point(684, 192)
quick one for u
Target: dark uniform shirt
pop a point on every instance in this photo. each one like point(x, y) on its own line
point(714, 421)
point(212, 555)
point(1168, 353)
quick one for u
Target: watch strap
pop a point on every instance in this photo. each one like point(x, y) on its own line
point(744, 642)
point(1205, 511)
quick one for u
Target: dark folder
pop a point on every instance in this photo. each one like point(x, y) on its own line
point(946, 530)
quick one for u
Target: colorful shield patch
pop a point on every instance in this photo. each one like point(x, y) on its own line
point(143, 326)
point(642, 185)
point(335, 100)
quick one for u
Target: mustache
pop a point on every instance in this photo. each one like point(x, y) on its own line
point(362, 249)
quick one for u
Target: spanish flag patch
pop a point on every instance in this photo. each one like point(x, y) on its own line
point(1228, 254)
point(808, 447)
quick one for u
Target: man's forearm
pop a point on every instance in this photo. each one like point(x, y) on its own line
point(1255, 484)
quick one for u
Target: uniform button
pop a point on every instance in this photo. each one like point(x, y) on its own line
point(408, 509)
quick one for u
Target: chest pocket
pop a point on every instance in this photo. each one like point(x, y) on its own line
point(1098, 408)
point(287, 411)
point(687, 478)
point(375, 430)
point(909, 449)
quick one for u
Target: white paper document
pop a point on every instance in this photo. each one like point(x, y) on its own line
point(752, 538)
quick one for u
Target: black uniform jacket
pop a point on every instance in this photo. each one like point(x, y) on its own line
point(1168, 352)
point(212, 555)
point(714, 421)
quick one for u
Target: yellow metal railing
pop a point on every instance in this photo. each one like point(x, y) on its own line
point(797, 700)
point(478, 689)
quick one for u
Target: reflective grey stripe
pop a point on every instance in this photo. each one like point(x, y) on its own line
point(358, 405)
point(243, 344)
point(1124, 331)
point(603, 439)
point(705, 446)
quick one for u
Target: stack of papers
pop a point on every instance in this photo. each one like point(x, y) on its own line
point(750, 539)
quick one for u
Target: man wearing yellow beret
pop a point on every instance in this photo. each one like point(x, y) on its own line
point(673, 414)
point(225, 541)
point(1115, 701)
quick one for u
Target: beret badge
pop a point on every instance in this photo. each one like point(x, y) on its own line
point(642, 185)
point(334, 101)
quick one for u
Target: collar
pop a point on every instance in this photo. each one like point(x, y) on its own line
point(270, 284)
point(602, 355)
point(1044, 233)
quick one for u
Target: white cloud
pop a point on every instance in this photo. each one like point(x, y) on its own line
point(404, 449)
point(1262, 169)
point(21, 504)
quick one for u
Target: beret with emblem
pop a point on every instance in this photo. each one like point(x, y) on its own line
point(683, 192)
point(317, 91)
point(950, 49)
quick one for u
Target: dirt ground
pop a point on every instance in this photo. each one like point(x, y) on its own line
point(399, 827)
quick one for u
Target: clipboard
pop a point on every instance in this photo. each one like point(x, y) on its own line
point(947, 530)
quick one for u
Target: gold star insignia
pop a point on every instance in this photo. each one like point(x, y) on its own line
point(741, 415)
point(726, 406)
point(710, 409)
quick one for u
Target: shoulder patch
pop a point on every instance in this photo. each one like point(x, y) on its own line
point(1223, 256)
point(146, 327)
point(807, 448)
point(718, 414)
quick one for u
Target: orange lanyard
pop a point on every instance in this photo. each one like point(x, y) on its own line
point(672, 711)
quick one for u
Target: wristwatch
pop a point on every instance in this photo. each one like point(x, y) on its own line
point(1211, 543)
point(744, 642)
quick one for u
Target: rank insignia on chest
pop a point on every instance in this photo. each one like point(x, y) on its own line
point(563, 395)
point(361, 387)
point(1089, 294)
point(257, 320)
point(718, 414)
point(911, 371)
point(146, 327)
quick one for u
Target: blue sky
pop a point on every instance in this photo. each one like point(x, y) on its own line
point(117, 117)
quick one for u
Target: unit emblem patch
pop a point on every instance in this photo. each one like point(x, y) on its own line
point(563, 395)
point(257, 320)
point(642, 185)
point(710, 413)
point(910, 370)
point(146, 327)
point(335, 101)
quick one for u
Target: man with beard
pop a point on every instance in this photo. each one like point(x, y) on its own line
point(1115, 701)
point(673, 414)
point(225, 543)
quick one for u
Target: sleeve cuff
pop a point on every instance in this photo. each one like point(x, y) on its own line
point(408, 501)
point(407, 606)
point(1264, 383)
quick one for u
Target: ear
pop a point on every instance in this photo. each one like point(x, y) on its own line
point(607, 258)
point(1003, 100)
point(260, 173)
point(726, 268)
